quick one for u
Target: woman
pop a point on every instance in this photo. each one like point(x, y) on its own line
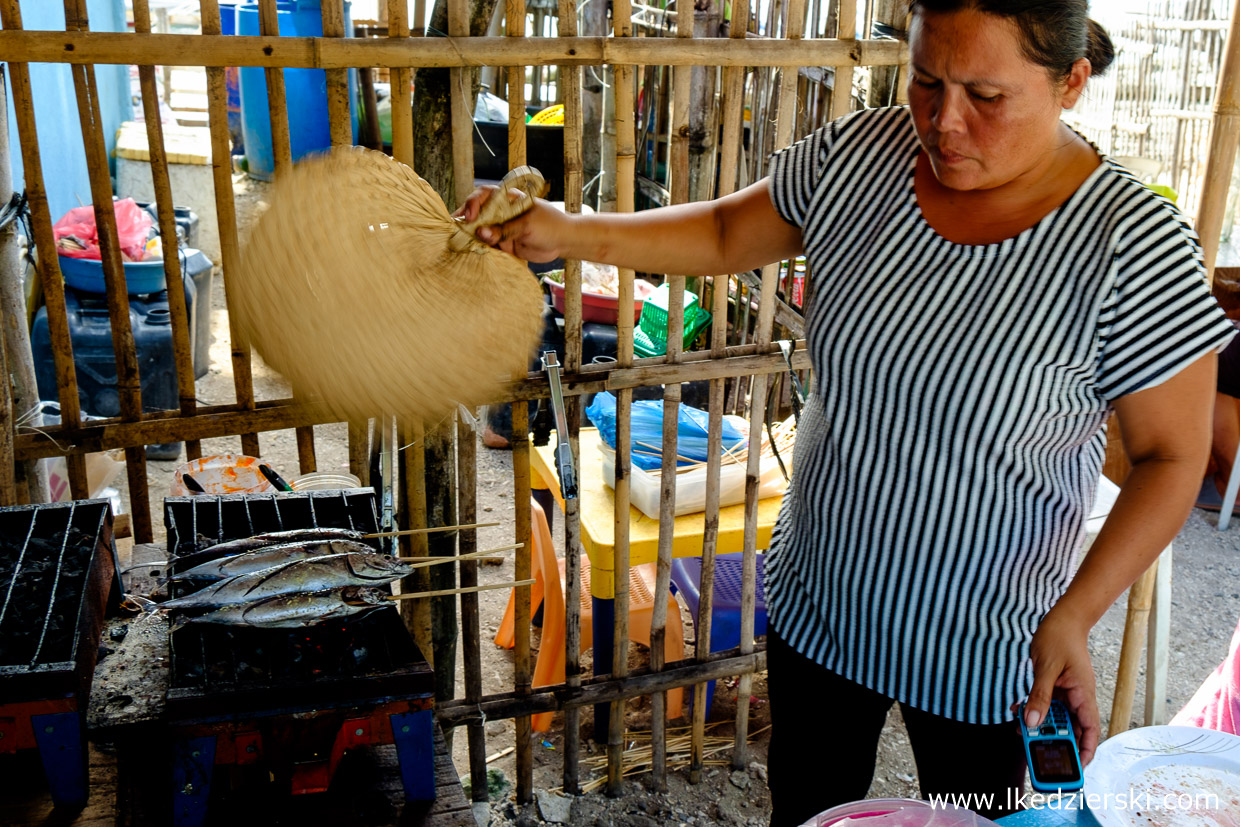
point(988, 289)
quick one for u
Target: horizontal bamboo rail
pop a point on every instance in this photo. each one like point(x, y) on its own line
point(343, 53)
point(229, 420)
point(603, 688)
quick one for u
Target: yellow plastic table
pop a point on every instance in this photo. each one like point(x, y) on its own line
point(597, 505)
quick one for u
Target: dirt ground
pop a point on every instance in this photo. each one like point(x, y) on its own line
point(1205, 605)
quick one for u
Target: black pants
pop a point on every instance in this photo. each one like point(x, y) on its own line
point(824, 743)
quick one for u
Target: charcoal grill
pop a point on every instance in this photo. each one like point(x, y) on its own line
point(56, 569)
point(293, 699)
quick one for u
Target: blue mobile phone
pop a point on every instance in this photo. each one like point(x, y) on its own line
point(1050, 749)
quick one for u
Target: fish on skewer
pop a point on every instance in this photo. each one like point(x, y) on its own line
point(273, 538)
point(267, 557)
point(291, 611)
point(313, 574)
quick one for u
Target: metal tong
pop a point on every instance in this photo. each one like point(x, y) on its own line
point(563, 450)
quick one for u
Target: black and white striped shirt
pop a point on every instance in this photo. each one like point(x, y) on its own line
point(947, 459)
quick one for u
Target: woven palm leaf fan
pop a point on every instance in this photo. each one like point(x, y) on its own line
point(359, 287)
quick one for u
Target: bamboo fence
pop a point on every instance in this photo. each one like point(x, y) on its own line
point(762, 67)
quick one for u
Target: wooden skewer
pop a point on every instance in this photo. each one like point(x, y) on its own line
point(473, 555)
point(430, 530)
point(445, 592)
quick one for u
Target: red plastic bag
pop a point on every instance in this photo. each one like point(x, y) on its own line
point(78, 237)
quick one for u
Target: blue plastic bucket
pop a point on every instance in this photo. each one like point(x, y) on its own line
point(305, 91)
point(86, 274)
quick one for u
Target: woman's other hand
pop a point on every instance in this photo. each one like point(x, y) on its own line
point(531, 236)
point(1062, 669)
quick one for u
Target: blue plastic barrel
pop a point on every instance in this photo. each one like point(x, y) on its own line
point(305, 91)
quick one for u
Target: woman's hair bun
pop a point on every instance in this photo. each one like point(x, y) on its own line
point(1099, 48)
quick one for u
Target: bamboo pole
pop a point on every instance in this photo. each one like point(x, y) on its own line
point(401, 80)
point(733, 109)
point(182, 352)
point(841, 94)
point(8, 468)
point(281, 414)
point(443, 52)
point(338, 114)
point(471, 628)
point(128, 384)
point(281, 149)
point(784, 120)
point(569, 90)
point(523, 568)
point(682, 87)
point(414, 544)
point(602, 689)
point(1224, 139)
point(49, 264)
point(623, 89)
point(1136, 624)
point(340, 124)
point(226, 213)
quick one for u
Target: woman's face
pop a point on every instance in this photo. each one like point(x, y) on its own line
point(986, 115)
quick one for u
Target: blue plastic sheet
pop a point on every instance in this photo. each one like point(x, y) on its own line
point(647, 431)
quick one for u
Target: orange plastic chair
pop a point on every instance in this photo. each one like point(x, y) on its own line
point(549, 668)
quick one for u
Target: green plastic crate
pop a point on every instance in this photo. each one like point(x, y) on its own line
point(650, 335)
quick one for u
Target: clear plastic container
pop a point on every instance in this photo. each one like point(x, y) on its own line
point(325, 481)
point(221, 474)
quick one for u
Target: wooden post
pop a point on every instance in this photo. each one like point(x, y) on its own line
point(49, 264)
point(25, 389)
point(128, 385)
point(417, 613)
point(514, 24)
point(401, 78)
point(1136, 624)
point(1224, 138)
point(471, 628)
point(841, 94)
point(226, 213)
point(282, 153)
point(733, 105)
point(182, 352)
point(757, 411)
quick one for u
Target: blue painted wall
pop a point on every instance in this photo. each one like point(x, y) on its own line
point(56, 114)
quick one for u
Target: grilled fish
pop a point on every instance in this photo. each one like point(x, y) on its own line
point(314, 574)
point(290, 611)
point(273, 538)
point(267, 557)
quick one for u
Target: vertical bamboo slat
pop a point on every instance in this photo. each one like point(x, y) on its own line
point(226, 214)
point(417, 613)
point(340, 125)
point(784, 121)
point(514, 11)
point(128, 384)
point(8, 466)
point(338, 115)
point(682, 88)
point(49, 263)
point(471, 628)
point(281, 149)
point(1224, 139)
point(733, 109)
point(402, 99)
point(841, 96)
point(182, 352)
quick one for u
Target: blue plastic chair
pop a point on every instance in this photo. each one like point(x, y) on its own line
point(725, 618)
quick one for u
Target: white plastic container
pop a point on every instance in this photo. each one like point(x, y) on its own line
point(325, 481)
point(896, 812)
point(645, 487)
